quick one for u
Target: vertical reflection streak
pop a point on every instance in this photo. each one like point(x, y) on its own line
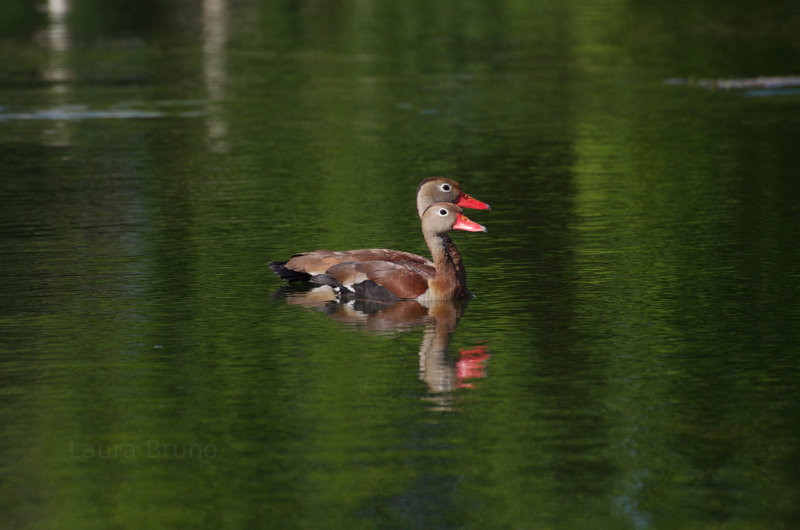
point(56, 39)
point(215, 35)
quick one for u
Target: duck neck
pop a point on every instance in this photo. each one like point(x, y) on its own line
point(458, 263)
point(442, 251)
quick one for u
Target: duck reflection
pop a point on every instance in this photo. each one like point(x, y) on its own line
point(442, 372)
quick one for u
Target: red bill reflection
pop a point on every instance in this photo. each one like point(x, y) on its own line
point(472, 365)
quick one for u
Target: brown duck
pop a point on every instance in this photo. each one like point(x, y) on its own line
point(387, 275)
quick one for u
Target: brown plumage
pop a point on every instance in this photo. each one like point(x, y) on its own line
point(319, 261)
point(302, 266)
point(388, 274)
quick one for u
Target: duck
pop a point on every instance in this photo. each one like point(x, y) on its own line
point(390, 275)
point(431, 190)
point(438, 189)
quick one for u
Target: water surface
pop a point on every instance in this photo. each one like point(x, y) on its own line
point(630, 357)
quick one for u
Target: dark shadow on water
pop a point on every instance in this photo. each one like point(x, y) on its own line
point(442, 372)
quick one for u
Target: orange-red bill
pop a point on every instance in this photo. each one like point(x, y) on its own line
point(465, 201)
point(462, 223)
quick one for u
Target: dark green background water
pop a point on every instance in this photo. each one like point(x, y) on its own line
point(631, 358)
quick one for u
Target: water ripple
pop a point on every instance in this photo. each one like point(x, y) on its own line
point(84, 112)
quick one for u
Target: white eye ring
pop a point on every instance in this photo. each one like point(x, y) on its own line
point(443, 212)
point(446, 187)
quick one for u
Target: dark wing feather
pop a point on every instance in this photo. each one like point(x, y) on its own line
point(290, 275)
point(402, 280)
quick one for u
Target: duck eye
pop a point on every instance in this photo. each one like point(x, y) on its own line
point(446, 187)
point(442, 212)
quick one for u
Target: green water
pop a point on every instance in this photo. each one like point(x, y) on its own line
point(630, 359)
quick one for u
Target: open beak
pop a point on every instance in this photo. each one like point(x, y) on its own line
point(465, 201)
point(462, 223)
